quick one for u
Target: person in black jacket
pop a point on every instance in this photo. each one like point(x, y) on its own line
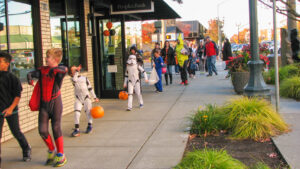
point(226, 51)
point(169, 59)
point(10, 94)
point(295, 45)
point(200, 54)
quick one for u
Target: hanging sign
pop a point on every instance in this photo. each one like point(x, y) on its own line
point(131, 6)
point(112, 68)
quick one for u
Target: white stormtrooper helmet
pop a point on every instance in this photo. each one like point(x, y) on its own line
point(131, 60)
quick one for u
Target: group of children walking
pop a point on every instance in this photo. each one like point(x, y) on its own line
point(47, 98)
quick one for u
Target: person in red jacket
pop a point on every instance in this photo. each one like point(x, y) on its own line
point(211, 51)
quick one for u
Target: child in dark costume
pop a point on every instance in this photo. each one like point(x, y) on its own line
point(50, 80)
point(10, 94)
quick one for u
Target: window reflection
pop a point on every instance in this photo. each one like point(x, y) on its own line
point(20, 36)
point(62, 27)
point(3, 39)
point(111, 57)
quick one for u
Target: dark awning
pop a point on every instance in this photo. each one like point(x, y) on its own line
point(161, 11)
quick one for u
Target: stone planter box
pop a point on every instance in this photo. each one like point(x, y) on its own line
point(239, 81)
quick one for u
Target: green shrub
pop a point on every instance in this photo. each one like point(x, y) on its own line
point(208, 159)
point(206, 120)
point(288, 71)
point(260, 165)
point(252, 118)
point(291, 88)
point(269, 76)
point(284, 73)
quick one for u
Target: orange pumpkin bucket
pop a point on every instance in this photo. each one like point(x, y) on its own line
point(97, 112)
point(123, 95)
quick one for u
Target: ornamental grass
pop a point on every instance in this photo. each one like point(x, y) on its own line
point(208, 159)
point(252, 118)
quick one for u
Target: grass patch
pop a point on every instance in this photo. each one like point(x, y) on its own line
point(260, 165)
point(208, 159)
point(291, 88)
point(252, 118)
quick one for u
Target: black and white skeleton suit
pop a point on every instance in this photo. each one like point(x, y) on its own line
point(82, 90)
point(134, 82)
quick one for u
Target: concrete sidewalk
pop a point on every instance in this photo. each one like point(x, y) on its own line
point(148, 138)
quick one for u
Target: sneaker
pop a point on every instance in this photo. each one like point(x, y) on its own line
point(76, 133)
point(50, 158)
point(208, 75)
point(60, 160)
point(216, 73)
point(182, 83)
point(27, 154)
point(128, 109)
point(186, 82)
point(89, 129)
point(141, 106)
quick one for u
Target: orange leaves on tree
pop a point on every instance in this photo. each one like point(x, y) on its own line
point(147, 31)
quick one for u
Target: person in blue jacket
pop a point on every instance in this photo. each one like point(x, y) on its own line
point(158, 64)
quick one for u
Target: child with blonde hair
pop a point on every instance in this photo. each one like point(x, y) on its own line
point(51, 108)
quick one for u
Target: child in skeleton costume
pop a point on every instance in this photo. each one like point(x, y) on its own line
point(82, 92)
point(134, 82)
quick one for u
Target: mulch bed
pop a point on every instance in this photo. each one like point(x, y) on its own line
point(247, 151)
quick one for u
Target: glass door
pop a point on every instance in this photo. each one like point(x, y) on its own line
point(111, 58)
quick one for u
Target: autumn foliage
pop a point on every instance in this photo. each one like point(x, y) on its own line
point(147, 31)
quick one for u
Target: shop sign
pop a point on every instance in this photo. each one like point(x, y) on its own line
point(131, 6)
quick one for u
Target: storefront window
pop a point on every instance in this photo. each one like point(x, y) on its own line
point(20, 40)
point(65, 32)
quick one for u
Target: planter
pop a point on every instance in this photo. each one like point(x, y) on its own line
point(239, 81)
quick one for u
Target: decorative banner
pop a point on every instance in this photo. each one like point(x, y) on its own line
point(131, 6)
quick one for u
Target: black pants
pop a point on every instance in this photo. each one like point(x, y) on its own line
point(183, 73)
point(51, 110)
point(13, 123)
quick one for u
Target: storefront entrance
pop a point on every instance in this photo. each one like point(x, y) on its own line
point(111, 57)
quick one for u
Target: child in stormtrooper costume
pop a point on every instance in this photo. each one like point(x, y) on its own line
point(134, 83)
point(82, 90)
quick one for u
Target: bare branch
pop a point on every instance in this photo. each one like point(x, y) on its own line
point(294, 14)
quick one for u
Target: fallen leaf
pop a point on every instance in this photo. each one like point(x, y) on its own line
point(191, 137)
point(273, 155)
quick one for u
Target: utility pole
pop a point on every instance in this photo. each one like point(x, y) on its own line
point(276, 57)
point(238, 25)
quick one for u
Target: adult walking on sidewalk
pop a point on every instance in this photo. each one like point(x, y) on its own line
point(182, 53)
point(211, 52)
point(168, 56)
point(200, 54)
point(226, 51)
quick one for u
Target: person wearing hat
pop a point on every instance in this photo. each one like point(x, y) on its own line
point(211, 51)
